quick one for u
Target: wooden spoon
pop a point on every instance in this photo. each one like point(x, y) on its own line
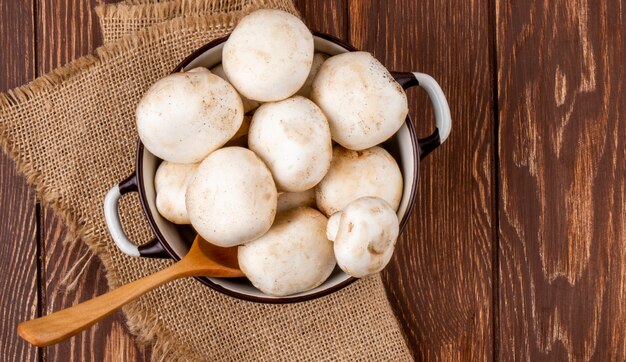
point(203, 259)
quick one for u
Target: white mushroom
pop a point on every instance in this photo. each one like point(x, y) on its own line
point(292, 137)
point(364, 104)
point(318, 59)
point(292, 257)
point(268, 55)
point(232, 198)
point(248, 105)
point(171, 182)
point(291, 200)
point(198, 70)
point(354, 174)
point(185, 116)
point(365, 233)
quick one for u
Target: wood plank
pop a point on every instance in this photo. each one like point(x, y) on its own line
point(18, 227)
point(561, 82)
point(18, 262)
point(439, 280)
point(326, 16)
point(70, 262)
point(67, 29)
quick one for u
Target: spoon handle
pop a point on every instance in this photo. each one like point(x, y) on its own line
point(65, 323)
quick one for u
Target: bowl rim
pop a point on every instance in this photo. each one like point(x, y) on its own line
point(247, 297)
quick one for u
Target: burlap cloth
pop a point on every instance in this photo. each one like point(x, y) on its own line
point(72, 133)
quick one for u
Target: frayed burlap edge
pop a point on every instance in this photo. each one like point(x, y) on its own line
point(142, 323)
point(167, 10)
point(41, 84)
point(150, 13)
point(142, 2)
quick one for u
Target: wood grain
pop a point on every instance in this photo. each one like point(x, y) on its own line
point(18, 262)
point(439, 281)
point(329, 17)
point(563, 178)
point(18, 222)
point(67, 29)
point(544, 247)
point(203, 259)
point(73, 262)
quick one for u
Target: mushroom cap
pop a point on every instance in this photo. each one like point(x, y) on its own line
point(198, 69)
point(293, 256)
point(185, 116)
point(364, 104)
point(292, 137)
point(318, 59)
point(232, 198)
point(354, 174)
point(171, 182)
point(365, 234)
point(248, 104)
point(268, 56)
point(291, 200)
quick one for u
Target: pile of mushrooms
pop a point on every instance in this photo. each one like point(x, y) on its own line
point(249, 161)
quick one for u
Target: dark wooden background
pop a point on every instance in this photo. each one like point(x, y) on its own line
point(517, 250)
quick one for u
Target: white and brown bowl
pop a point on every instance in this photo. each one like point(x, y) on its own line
point(173, 241)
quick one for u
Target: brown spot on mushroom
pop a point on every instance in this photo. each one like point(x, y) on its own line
point(372, 249)
point(350, 227)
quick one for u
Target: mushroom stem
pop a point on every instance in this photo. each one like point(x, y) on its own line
point(332, 228)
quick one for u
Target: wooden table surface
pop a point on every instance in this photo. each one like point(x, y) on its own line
point(517, 248)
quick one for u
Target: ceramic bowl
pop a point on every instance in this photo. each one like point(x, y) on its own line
point(173, 241)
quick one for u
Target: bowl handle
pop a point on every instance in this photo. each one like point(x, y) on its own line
point(152, 249)
point(443, 119)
